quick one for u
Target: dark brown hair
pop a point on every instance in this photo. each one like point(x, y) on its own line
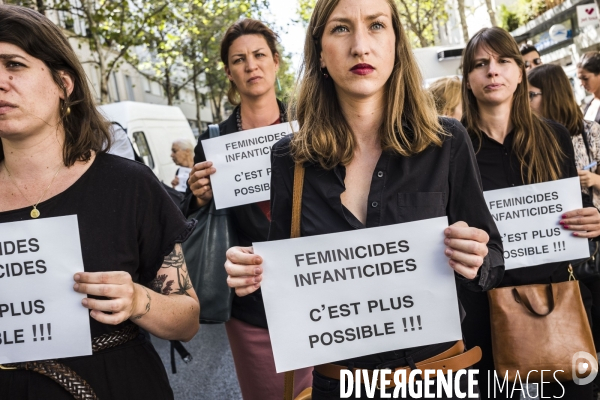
point(558, 100)
point(325, 137)
point(534, 142)
point(590, 61)
point(85, 129)
point(241, 28)
point(528, 48)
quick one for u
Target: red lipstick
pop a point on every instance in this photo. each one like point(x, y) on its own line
point(362, 69)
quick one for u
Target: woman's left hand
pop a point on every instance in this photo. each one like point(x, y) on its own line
point(122, 295)
point(466, 247)
point(586, 221)
point(588, 178)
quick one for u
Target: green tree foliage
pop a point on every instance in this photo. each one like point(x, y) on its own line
point(422, 19)
point(508, 19)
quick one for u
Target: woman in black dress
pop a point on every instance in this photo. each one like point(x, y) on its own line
point(53, 158)
point(514, 147)
point(375, 153)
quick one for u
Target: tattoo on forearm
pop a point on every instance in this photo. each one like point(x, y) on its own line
point(136, 317)
point(161, 285)
point(174, 260)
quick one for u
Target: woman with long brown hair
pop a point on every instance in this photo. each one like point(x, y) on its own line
point(374, 153)
point(514, 147)
point(551, 96)
point(53, 163)
point(251, 59)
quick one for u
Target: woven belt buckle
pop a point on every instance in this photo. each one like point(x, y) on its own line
point(6, 368)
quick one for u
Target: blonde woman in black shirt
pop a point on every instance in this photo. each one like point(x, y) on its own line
point(375, 153)
point(514, 147)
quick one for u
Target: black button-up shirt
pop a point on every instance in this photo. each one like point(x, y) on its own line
point(439, 181)
point(500, 168)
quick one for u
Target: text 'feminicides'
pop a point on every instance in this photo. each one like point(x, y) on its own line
point(41, 316)
point(528, 220)
point(348, 294)
point(243, 164)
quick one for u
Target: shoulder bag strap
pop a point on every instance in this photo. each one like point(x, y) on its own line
point(288, 383)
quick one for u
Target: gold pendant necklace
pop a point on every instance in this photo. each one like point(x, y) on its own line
point(35, 212)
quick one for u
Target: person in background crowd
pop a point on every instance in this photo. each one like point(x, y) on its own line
point(554, 98)
point(446, 93)
point(120, 143)
point(588, 72)
point(514, 147)
point(182, 154)
point(551, 97)
point(53, 158)
point(249, 53)
point(531, 56)
point(369, 133)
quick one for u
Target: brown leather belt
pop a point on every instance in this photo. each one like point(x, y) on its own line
point(65, 376)
point(453, 359)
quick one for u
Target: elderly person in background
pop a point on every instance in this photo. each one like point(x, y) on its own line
point(182, 154)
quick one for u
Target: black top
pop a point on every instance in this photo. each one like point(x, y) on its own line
point(500, 168)
point(127, 222)
point(250, 223)
point(440, 181)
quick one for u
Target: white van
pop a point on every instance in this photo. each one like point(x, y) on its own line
point(152, 129)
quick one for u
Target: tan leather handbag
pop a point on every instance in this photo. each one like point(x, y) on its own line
point(539, 327)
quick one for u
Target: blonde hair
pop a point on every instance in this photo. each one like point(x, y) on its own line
point(534, 144)
point(325, 136)
point(446, 93)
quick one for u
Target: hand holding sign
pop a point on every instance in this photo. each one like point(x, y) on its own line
point(199, 182)
point(466, 248)
point(125, 298)
point(244, 269)
point(586, 221)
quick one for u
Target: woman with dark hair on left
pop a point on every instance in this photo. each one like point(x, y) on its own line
point(53, 163)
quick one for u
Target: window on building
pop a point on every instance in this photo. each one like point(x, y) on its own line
point(129, 86)
point(141, 145)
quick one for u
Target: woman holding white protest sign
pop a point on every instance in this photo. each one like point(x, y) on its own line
point(514, 148)
point(251, 59)
point(374, 153)
point(53, 166)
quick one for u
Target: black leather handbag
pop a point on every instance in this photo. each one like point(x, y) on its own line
point(588, 268)
point(204, 253)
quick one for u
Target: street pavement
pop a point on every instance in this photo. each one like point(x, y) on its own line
point(211, 374)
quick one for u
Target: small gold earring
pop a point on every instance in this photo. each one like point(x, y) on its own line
point(68, 111)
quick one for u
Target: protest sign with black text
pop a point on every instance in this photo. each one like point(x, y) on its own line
point(528, 220)
point(343, 295)
point(243, 164)
point(41, 316)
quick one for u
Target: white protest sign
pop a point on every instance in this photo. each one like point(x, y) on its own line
point(41, 316)
point(587, 14)
point(343, 295)
point(528, 220)
point(243, 164)
point(182, 174)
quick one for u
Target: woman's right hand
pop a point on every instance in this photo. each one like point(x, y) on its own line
point(199, 182)
point(244, 270)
